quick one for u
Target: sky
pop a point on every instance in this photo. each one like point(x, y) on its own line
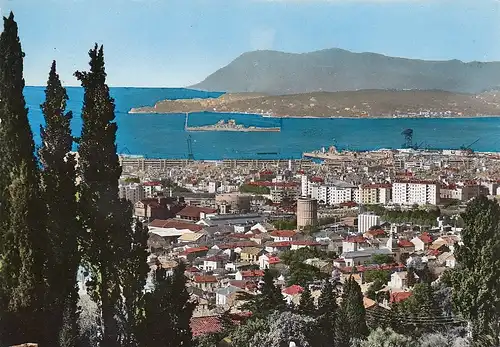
point(176, 43)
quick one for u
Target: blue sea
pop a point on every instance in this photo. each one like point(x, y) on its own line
point(163, 136)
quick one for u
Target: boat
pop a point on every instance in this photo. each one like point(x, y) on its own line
point(231, 125)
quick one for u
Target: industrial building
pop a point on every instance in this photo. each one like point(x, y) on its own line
point(307, 212)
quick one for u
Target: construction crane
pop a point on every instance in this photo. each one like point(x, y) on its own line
point(190, 148)
point(468, 148)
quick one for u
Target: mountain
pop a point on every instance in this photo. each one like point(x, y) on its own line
point(273, 72)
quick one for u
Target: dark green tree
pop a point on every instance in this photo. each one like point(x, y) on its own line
point(327, 314)
point(105, 217)
point(167, 312)
point(476, 289)
point(22, 242)
point(134, 274)
point(63, 229)
point(342, 331)
point(306, 304)
point(411, 280)
point(268, 300)
point(354, 309)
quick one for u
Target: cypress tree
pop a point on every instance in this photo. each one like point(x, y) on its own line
point(328, 312)
point(306, 304)
point(476, 288)
point(134, 275)
point(22, 241)
point(63, 228)
point(354, 309)
point(167, 311)
point(104, 216)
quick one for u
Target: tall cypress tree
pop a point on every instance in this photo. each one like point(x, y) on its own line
point(167, 311)
point(328, 312)
point(476, 288)
point(134, 275)
point(63, 228)
point(102, 213)
point(306, 304)
point(22, 244)
point(268, 300)
point(354, 309)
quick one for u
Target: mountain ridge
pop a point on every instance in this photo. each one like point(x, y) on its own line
point(275, 72)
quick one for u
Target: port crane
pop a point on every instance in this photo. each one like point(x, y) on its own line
point(468, 148)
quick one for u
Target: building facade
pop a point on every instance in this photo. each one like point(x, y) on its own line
point(416, 192)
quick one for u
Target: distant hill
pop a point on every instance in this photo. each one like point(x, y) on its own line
point(273, 72)
point(363, 103)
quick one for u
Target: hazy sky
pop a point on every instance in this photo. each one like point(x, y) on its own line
point(179, 42)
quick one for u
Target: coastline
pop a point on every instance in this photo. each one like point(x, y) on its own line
point(264, 115)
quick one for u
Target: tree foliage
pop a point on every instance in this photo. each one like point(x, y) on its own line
point(476, 279)
point(268, 299)
point(387, 338)
point(22, 240)
point(63, 228)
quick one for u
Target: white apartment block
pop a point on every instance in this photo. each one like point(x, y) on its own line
point(304, 180)
point(334, 195)
point(417, 192)
point(366, 221)
point(133, 192)
point(151, 188)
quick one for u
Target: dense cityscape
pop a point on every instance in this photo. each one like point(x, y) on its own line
point(340, 248)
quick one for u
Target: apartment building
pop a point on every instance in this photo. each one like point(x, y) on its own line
point(375, 193)
point(366, 221)
point(133, 192)
point(462, 193)
point(415, 192)
point(151, 189)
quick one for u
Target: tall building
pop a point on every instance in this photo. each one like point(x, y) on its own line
point(133, 192)
point(415, 192)
point(375, 193)
point(366, 221)
point(307, 212)
point(304, 180)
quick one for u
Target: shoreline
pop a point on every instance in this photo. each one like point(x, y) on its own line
point(263, 115)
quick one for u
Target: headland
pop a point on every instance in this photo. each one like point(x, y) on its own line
point(350, 104)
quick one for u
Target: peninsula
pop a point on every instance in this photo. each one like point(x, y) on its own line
point(355, 104)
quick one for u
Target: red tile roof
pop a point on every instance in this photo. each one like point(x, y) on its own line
point(252, 273)
point(293, 290)
point(280, 244)
point(305, 243)
point(316, 179)
point(283, 233)
point(376, 232)
point(274, 260)
point(205, 279)
point(192, 269)
point(194, 250)
point(355, 239)
point(153, 183)
point(205, 325)
point(426, 238)
point(399, 296)
point(194, 211)
point(172, 223)
point(405, 244)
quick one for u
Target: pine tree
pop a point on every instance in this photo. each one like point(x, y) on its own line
point(476, 292)
point(354, 309)
point(327, 314)
point(306, 304)
point(63, 228)
point(342, 331)
point(107, 242)
point(22, 244)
